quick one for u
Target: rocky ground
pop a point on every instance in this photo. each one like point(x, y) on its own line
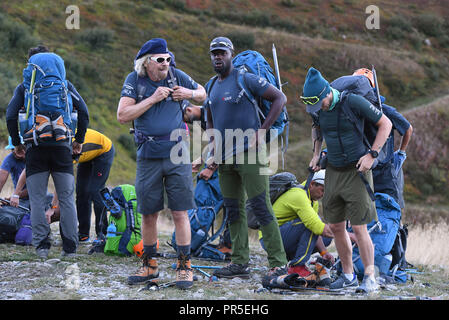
point(100, 277)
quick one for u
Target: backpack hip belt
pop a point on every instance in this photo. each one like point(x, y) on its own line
point(140, 137)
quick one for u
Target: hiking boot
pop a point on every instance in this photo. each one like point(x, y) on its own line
point(43, 127)
point(320, 277)
point(303, 271)
point(184, 274)
point(148, 271)
point(368, 285)
point(42, 253)
point(342, 283)
point(233, 270)
point(84, 239)
point(59, 128)
point(68, 254)
point(277, 271)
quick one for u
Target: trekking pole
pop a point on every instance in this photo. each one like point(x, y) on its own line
point(33, 78)
point(211, 278)
point(377, 87)
point(209, 267)
point(376, 225)
point(9, 203)
point(199, 268)
point(278, 77)
point(276, 67)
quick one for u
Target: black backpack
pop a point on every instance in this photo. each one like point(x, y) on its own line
point(399, 248)
point(279, 184)
point(10, 221)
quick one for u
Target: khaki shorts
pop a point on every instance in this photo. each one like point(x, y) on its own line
point(346, 197)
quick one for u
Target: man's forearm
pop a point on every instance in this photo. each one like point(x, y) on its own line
point(383, 132)
point(406, 139)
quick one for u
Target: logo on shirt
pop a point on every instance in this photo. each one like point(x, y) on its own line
point(128, 89)
point(374, 109)
point(227, 97)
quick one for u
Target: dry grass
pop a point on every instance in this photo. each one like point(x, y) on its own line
point(427, 245)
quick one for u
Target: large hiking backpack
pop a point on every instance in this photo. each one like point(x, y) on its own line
point(385, 241)
point(124, 222)
point(360, 85)
point(47, 118)
point(253, 62)
point(209, 202)
point(10, 222)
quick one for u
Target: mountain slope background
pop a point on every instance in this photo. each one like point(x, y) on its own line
point(410, 51)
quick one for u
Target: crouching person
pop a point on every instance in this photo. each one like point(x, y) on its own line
point(302, 231)
point(151, 99)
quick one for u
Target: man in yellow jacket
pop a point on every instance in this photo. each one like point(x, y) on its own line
point(94, 164)
point(302, 230)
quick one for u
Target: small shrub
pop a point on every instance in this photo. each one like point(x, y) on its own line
point(429, 24)
point(242, 40)
point(288, 3)
point(97, 37)
point(15, 36)
point(400, 22)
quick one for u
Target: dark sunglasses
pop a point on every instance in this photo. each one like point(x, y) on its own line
point(160, 59)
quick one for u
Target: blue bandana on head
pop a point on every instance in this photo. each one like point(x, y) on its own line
point(153, 46)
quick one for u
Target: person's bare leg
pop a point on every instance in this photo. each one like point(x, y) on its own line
point(343, 245)
point(366, 248)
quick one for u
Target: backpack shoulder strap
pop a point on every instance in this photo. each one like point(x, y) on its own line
point(244, 91)
point(352, 117)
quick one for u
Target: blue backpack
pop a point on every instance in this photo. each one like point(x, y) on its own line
point(209, 201)
point(253, 62)
point(24, 235)
point(385, 241)
point(47, 118)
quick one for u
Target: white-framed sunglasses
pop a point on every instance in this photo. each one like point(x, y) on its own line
point(160, 59)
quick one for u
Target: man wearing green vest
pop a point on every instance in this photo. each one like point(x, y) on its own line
point(348, 173)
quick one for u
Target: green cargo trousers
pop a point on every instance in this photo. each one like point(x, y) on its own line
point(239, 182)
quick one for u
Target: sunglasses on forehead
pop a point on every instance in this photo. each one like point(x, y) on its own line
point(160, 59)
point(221, 43)
point(312, 100)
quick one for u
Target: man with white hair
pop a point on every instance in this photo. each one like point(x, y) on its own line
point(151, 97)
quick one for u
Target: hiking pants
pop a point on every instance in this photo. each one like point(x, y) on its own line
point(91, 177)
point(299, 242)
point(40, 163)
point(236, 182)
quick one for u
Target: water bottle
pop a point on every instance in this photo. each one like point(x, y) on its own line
point(111, 231)
point(23, 122)
point(74, 120)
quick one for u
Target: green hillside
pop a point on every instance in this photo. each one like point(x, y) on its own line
point(410, 51)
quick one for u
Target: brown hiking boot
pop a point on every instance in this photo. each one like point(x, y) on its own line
point(184, 274)
point(147, 272)
point(320, 277)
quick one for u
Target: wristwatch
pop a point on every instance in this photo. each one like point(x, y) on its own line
point(373, 153)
